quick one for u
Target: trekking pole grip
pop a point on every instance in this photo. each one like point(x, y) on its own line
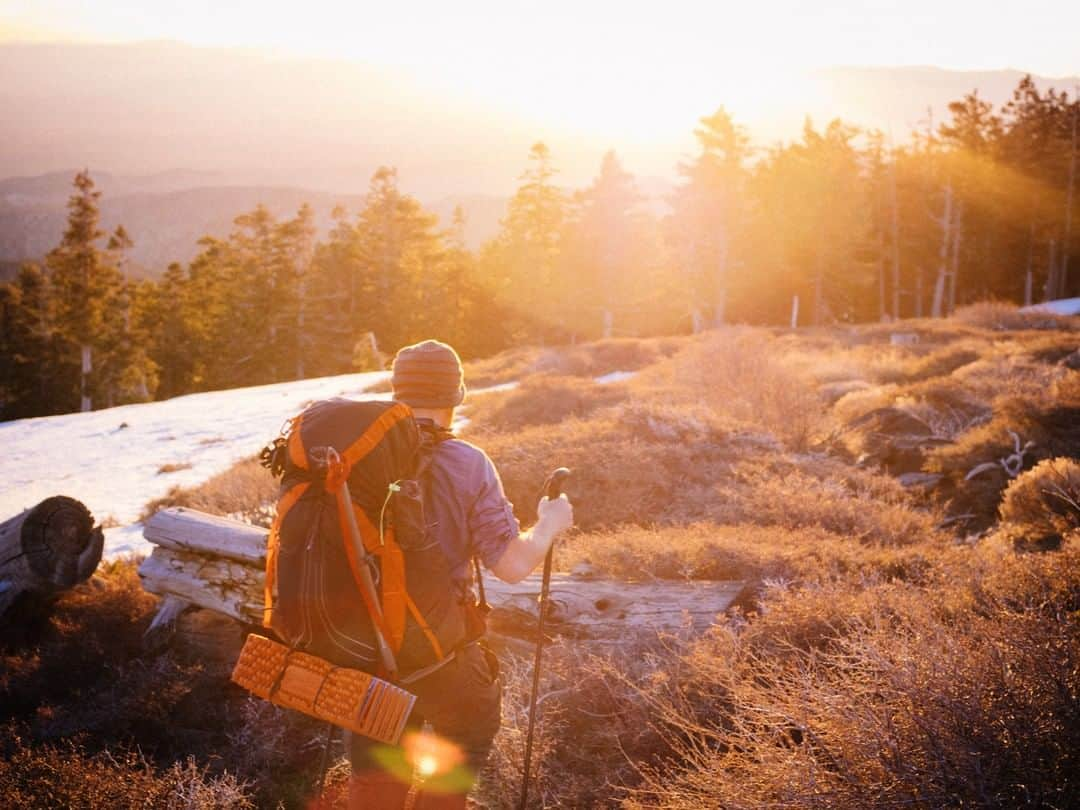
point(554, 484)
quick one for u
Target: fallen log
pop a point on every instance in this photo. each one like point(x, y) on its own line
point(215, 563)
point(47, 549)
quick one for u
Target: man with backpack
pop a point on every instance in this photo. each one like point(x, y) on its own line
point(468, 521)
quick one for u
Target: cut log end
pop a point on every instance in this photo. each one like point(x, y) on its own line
point(48, 548)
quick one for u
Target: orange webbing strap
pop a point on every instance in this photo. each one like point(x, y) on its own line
point(391, 580)
point(418, 617)
point(375, 433)
point(285, 503)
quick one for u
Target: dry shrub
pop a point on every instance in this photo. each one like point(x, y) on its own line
point(65, 775)
point(1050, 348)
point(939, 362)
point(834, 391)
point(745, 375)
point(1050, 419)
point(1000, 316)
point(592, 728)
point(544, 400)
point(1045, 500)
point(825, 493)
point(892, 697)
point(246, 490)
point(504, 367)
point(636, 463)
point(745, 552)
point(79, 673)
point(582, 360)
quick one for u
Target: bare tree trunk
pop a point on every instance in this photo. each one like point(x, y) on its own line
point(895, 242)
point(47, 549)
point(943, 255)
point(882, 311)
point(720, 310)
point(918, 292)
point(1029, 279)
point(958, 233)
point(1050, 290)
point(1066, 243)
point(218, 564)
point(697, 322)
point(84, 380)
point(794, 312)
point(608, 324)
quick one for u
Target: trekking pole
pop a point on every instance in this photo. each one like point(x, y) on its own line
point(552, 488)
point(330, 457)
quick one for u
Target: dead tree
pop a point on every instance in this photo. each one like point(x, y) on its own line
point(218, 564)
point(47, 549)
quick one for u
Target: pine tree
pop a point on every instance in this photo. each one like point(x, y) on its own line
point(83, 281)
point(710, 211)
point(524, 261)
point(602, 251)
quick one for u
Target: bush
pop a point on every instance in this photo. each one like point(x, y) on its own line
point(67, 776)
point(631, 464)
point(246, 491)
point(861, 505)
point(742, 375)
point(1045, 500)
point(939, 363)
point(753, 553)
point(1001, 316)
point(1049, 419)
point(77, 684)
point(894, 697)
point(544, 400)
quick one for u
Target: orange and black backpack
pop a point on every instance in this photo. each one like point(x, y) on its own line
point(313, 598)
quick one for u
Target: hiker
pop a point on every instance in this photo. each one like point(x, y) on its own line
point(467, 512)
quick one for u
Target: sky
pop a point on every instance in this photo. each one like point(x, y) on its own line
point(591, 62)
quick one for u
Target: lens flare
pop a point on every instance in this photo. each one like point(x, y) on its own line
point(431, 755)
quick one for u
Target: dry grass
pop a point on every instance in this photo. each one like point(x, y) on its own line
point(171, 468)
point(543, 400)
point(1050, 419)
point(897, 696)
point(246, 490)
point(751, 552)
point(1000, 316)
point(883, 659)
point(93, 720)
point(1044, 502)
point(65, 775)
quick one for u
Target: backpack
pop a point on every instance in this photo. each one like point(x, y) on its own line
point(313, 600)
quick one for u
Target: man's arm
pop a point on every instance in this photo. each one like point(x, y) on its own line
point(527, 550)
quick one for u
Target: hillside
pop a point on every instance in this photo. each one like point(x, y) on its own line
point(906, 637)
point(166, 225)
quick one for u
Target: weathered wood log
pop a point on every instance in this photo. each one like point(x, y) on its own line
point(197, 532)
point(221, 570)
point(47, 549)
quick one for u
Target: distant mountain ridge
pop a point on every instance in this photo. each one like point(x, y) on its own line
point(166, 226)
point(182, 139)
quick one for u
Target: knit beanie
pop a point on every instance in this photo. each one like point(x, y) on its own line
point(428, 375)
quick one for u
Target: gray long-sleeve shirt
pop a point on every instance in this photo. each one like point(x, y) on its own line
point(468, 509)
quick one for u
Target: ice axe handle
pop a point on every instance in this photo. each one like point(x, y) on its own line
point(553, 486)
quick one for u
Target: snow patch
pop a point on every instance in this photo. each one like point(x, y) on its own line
point(494, 389)
point(1062, 306)
point(614, 377)
point(110, 459)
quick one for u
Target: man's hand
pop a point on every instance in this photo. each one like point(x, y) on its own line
point(527, 551)
point(556, 515)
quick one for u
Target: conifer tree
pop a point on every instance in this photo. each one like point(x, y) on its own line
point(603, 249)
point(83, 281)
point(525, 259)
